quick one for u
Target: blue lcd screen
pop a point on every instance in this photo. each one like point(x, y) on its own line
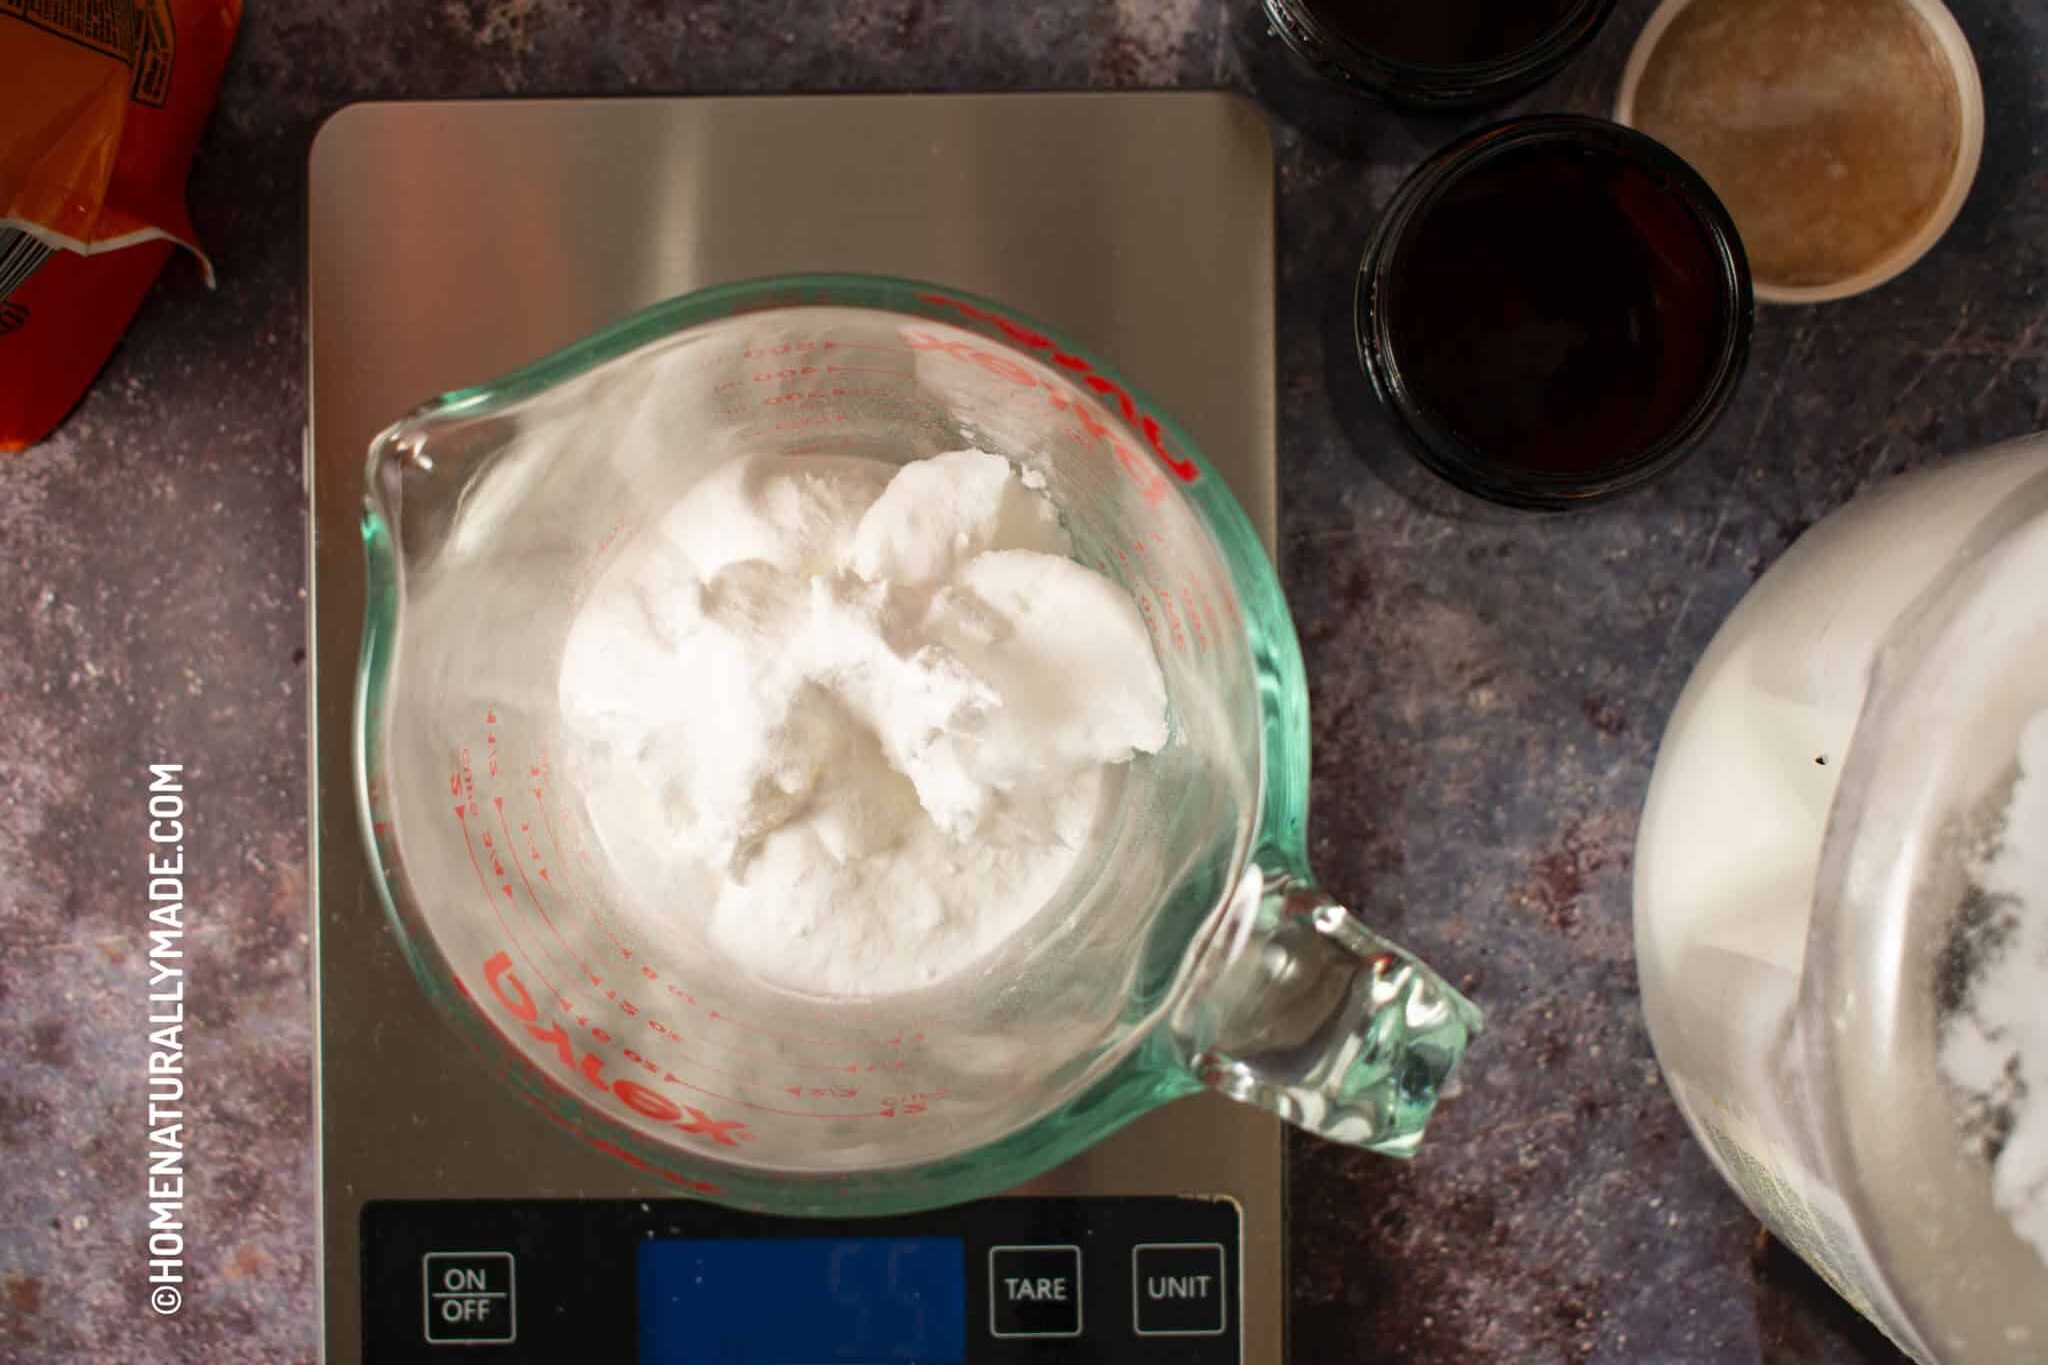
point(804, 1301)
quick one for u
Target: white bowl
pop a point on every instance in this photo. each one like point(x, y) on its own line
point(1949, 39)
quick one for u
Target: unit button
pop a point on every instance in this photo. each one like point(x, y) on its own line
point(469, 1297)
point(1034, 1291)
point(1178, 1289)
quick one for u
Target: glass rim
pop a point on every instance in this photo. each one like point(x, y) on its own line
point(1239, 547)
point(1449, 455)
point(1297, 24)
point(1140, 1075)
point(1877, 936)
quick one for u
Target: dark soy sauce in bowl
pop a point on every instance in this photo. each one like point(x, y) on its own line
point(1555, 309)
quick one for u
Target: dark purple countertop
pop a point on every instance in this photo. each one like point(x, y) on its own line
point(1488, 692)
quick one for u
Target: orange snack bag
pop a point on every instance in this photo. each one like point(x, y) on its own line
point(101, 105)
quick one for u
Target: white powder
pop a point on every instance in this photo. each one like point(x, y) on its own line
point(1996, 1048)
point(856, 719)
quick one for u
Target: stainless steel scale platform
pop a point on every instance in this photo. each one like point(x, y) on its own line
point(453, 241)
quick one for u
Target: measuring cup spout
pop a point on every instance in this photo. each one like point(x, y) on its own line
point(1294, 1005)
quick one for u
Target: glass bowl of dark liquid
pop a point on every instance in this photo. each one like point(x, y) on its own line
point(1437, 54)
point(1555, 309)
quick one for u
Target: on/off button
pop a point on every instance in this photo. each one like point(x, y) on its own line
point(469, 1297)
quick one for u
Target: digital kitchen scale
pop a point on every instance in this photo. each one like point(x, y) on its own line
point(451, 242)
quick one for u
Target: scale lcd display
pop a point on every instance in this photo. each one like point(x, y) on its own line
point(803, 1301)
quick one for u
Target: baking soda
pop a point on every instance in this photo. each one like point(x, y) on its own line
point(859, 719)
point(1995, 1047)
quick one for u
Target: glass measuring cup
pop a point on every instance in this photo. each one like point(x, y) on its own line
point(1189, 946)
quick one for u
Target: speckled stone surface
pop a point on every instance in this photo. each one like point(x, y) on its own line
point(1488, 692)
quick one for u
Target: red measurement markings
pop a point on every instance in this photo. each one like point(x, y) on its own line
point(1209, 605)
point(462, 784)
point(828, 395)
point(893, 1105)
point(462, 818)
point(1230, 603)
point(377, 794)
point(720, 1017)
point(1151, 620)
point(1151, 487)
point(766, 1060)
point(538, 773)
point(816, 419)
point(612, 1149)
point(599, 558)
point(1078, 409)
point(1192, 608)
point(512, 995)
point(540, 906)
point(883, 1113)
point(806, 371)
point(517, 1001)
point(588, 904)
point(585, 903)
point(627, 1005)
point(650, 974)
point(632, 1008)
point(775, 1059)
point(694, 1065)
point(1182, 468)
point(784, 348)
point(1196, 615)
point(1173, 625)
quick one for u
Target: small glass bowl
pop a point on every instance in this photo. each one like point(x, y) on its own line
point(1429, 434)
point(1425, 86)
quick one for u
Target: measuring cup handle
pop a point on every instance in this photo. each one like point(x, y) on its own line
point(1295, 1006)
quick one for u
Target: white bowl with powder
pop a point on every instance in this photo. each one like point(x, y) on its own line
point(1829, 893)
point(1843, 135)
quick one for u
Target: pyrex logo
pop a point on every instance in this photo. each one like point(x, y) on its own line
point(512, 994)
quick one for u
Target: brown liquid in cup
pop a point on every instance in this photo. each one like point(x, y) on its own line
point(1558, 309)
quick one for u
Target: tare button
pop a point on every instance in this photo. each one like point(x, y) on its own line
point(469, 1297)
point(1034, 1291)
point(1178, 1289)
